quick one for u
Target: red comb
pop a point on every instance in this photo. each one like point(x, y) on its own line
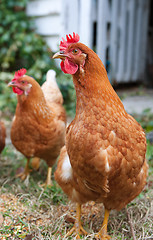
point(69, 39)
point(19, 73)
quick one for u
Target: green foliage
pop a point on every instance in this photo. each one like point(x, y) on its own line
point(21, 47)
point(149, 154)
point(145, 119)
point(7, 97)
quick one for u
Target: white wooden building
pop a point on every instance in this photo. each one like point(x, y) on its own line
point(115, 29)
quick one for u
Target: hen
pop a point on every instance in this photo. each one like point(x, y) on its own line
point(104, 158)
point(38, 129)
point(2, 136)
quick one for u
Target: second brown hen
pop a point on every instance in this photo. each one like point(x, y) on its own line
point(38, 129)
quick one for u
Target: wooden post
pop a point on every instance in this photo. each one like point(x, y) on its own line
point(70, 17)
point(122, 41)
point(145, 7)
point(130, 40)
point(114, 40)
point(102, 34)
point(137, 59)
point(85, 22)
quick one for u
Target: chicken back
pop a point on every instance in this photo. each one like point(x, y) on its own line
point(38, 128)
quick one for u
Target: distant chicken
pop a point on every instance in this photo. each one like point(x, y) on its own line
point(2, 136)
point(104, 158)
point(38, 129)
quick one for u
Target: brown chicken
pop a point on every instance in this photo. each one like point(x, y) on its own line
point(2, 136)
point(104, 158)
point(38, 129)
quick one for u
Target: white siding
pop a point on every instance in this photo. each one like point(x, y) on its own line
point(103, 38)
point(128, 39)
point(48, 25)
point(76, 17)
point(48, 21)
point(121, 30)
point(43, 7)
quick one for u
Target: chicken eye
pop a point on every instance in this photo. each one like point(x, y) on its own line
point(23, 82)
point(75, 51)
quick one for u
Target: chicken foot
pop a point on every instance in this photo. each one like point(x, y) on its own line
point(77, 228)
point(23, 175)
point(102, 234)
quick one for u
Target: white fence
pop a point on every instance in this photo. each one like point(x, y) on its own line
point(47, 14)
point(115, 29)
point(121, 33)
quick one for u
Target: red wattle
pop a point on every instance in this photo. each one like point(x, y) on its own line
point(69, 67)
point(62, 67)
point(17, 90)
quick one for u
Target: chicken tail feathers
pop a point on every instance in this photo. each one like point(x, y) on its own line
point(50, 88)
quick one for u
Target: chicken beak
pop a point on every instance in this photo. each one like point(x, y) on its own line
point(11, 84)
point(60, 55)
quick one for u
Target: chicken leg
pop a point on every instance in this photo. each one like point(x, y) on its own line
point(48, 182)
point(23, 175)
point(77, 228)
point(102, 234)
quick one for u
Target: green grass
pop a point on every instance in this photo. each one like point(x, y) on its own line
point(40, 213)
point(32, 212)
point(145, 119)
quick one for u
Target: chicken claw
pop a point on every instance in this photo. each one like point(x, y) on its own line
point(23, 175)
point(102, 237)
point(77, 228)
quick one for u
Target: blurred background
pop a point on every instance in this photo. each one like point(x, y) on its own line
point(120, 31)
